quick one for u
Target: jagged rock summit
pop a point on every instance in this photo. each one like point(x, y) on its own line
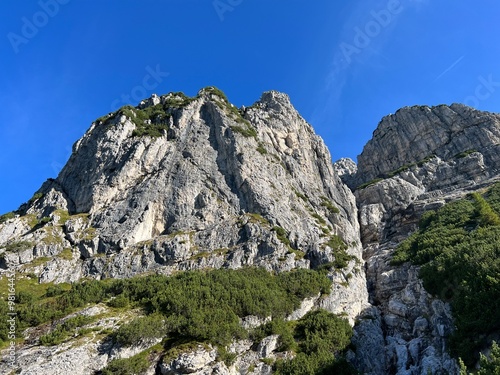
point(413, 135)
point(185, 183)
point(180, 183)
point(418, 159)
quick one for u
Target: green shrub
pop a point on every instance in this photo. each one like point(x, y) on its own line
point(119, 302)
point(369, 183)
point(300, 284)
point(18, 246)
point(336, 243)
point(458, 249)
point(282, 235)
point(319, 219)
point(157, 117)
point(139, 329)
point(464, 154)
point(490, 365)
point(401, 169)
point(225, 356)
point(279, 327)
point(339, 248)
point(151, 121)
point(34, 198)
point(301, 196)
point(320, 337)
point(25, 296)
point(261, 149)
point(425, 160)
point(63, 331)
point(135, 365)
point(329, 205)
point(485, 216)
point(215, 91)
point(177, 100)
point(7, 216)
point(247, 130)
point(54, 290)
point(202, 306)
point(321, 331)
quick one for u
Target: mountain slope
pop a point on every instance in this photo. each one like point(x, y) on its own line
point(183, 183)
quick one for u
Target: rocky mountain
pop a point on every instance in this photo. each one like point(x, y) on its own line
point(418, 159)
point(181, 183)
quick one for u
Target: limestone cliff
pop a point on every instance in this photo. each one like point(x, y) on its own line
point(418, 159)
point(181, 183)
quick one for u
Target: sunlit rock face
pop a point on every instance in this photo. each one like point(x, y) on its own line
point(183, 183)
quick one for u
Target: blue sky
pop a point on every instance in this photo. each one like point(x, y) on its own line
point(345, 64)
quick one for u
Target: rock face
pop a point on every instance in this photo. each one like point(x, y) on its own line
point(210, 192)
point(414, 134)
point(418, 159)
point(220, 187)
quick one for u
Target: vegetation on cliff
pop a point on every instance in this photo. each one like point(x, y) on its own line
point(458, 249)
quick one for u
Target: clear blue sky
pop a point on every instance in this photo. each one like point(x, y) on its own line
point(68, 62)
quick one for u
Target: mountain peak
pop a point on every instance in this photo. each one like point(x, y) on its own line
point(255, 181)
point(413, 134)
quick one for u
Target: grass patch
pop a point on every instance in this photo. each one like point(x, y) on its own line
point(369, 183)
point(31, 220)
point(51, 237)
point(299, 254)
point(257, 219)
point(89, 234)
point(247, 130)
point(7, 216)
point(464, 154)
point(63, 215)
point(66, 254)
point(325, 202)
point(18, 246)
point(318, 218)
point(261, 149)
point(38, 262)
